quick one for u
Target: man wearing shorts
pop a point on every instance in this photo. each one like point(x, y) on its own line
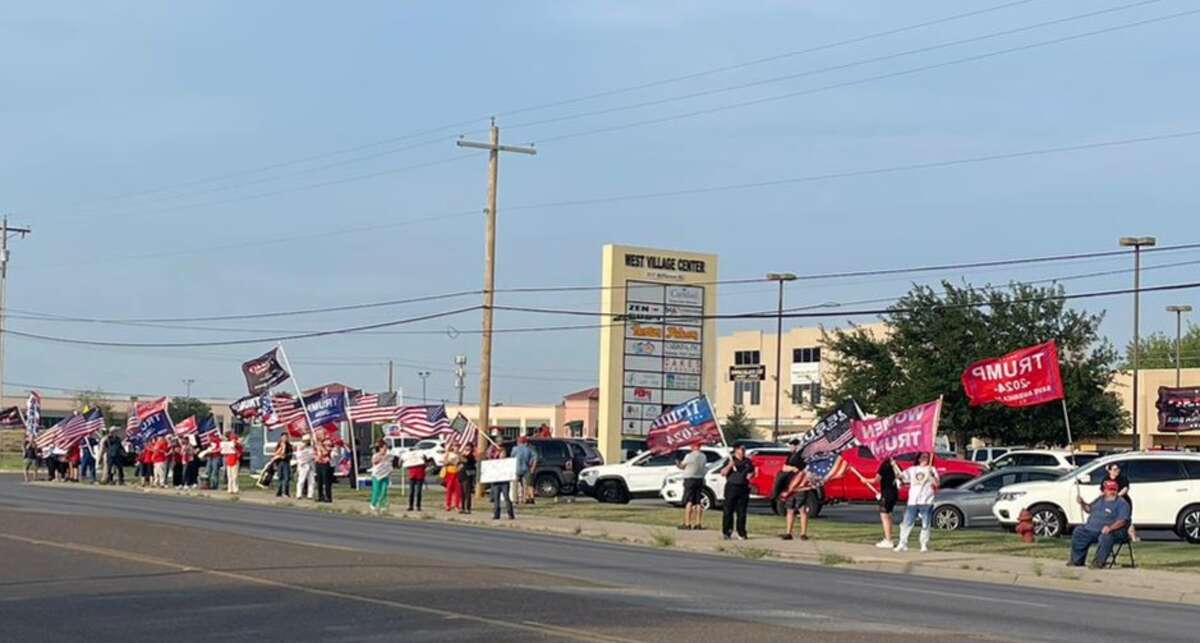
point(798, 500)
point(526, 466)
point(694, 466)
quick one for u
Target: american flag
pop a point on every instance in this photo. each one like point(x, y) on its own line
point(207, 431)
point(463, 433)
point(266, 410)
point(46, 439)
point(33, 412)
point(187, 427)
point(79, 427)
point(832, 434)
point(11, 418)
point(132, 423)
point(423, 421)
point(825, 469)
point(374, 407)
point(280, 410)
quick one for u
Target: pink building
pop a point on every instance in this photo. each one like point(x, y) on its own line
point(577, 415)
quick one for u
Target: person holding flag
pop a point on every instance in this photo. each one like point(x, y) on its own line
point(231, 452)
point(887, 493)
point(922, 480)
point(305, 478)
point(31, 459)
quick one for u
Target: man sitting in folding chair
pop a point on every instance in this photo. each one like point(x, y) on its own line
point(1107, 524)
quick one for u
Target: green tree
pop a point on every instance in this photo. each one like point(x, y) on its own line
point(97, 399)
point(738, 425)
point(181, 408)
point(1158, 350)
point(933, 336)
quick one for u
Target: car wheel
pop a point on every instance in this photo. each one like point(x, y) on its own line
point(547, 486)
point(1048, 521)
point(777, 507)
point(612, 491)
point(948, 518)
point(708, 500)
point(1188, 524)
point(814, 504)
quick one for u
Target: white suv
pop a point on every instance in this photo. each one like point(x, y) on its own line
point(1060, 459)
point(639, 477)
point(714, 483)
point(1163, 485)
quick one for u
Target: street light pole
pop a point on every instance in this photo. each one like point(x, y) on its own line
point(424, 375)
point(187, 383)
point(1179, 311)
point(779, 277)
point(1137, 243)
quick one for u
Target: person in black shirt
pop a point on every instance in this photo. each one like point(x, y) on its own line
point(737, 474)
point(467, 471)
point(1113, 471)
point(886, 493)
point(798, 501)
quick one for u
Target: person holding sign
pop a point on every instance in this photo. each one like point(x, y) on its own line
point(498, 489)
point(922, 480)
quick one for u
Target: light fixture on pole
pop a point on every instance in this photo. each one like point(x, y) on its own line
point(187, 383)
point(1137, 243)
point(460, 375)
point(424, 375)
point(780, 277)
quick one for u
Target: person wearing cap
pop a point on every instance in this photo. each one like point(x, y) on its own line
point(1107, 524)
point(306, 477)
point(526, 465)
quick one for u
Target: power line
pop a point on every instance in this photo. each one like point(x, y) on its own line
point(868, 79)
point(573, 100)
point(839, 67)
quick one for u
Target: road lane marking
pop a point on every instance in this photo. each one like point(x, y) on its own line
point(525, 626)
point(907, 589)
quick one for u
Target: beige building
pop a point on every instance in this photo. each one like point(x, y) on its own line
point(805, 377)
point(1148, 382)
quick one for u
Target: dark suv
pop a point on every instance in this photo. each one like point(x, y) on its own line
point(559, 461)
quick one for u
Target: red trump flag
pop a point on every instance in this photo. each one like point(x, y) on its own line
point(909, 431)
point(1024, 377)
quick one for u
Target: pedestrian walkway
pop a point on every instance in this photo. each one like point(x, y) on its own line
point(1157, 585)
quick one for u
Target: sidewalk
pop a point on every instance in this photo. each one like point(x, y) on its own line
point(1018, 571)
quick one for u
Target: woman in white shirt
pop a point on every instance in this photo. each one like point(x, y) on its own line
point(381, 476)
point(922, 480)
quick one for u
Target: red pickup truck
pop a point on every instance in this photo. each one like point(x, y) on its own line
point(849, 488)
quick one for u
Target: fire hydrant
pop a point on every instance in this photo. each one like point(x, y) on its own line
point(1025, 526)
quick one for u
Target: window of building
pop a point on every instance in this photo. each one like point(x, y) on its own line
point(740, 390)
point(808, 393)
point(741, 358)
point(806, 355)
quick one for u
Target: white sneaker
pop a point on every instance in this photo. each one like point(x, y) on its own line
point(884, 544)
point(901, 547)
point(924, 549)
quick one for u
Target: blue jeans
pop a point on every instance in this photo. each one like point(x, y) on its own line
point(910, 516)
point(499, 490)
point(214, 472)
point(283, 470)
point(1083, 538)
point(87, 469)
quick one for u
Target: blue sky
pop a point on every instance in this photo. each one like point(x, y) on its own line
point(119, 119)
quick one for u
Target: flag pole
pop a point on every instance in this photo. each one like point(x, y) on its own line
point(353, 444)
point(1067, 421)
point(312, 430)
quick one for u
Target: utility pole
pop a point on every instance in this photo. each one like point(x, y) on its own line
point(391, 377)
point(1137, 243)
point(5, 230)
point(460, 375)
point(187, 383)
point(1179, 311)
point(494, 148)
point(781, 278)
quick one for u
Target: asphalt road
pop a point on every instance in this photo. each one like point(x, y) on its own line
point(86, 564)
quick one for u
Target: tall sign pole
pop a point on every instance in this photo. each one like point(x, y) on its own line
point(5, 230)
point(494, 148)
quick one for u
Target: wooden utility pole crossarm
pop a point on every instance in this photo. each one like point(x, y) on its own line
point(494, 148)
point(5, 231)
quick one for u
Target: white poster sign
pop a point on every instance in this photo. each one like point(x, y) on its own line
point(499, 470)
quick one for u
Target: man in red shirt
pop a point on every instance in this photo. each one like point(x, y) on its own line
point(158, 457)
point(416, 482)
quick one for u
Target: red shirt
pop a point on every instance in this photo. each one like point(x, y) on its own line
point(232, 459)
point(158, 451)
point(416, 472)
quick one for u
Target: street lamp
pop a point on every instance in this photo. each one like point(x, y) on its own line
point(1179, 311)
point(780, 277)
point(187, 383)
point(424, 375)
point(1137, 243)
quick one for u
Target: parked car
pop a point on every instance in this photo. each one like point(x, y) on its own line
point(849, 488)
point(970, 505)
point(639, 477)
point(398, 446)
point(432, 449)
point(1060, 459)
point(1164, 486)
point(556, 457)
point(985, 455)
point(714, 483)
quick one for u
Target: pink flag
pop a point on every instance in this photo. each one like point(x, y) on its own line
point(187, 427)
point(909, 431)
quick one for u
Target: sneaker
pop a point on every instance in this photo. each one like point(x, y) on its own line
point(924, 549)
point(785, 537)
point(741, 537)
point(726, 537)
point(884, 544)
point(900, 547)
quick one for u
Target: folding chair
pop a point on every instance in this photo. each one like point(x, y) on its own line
point(1125, 544)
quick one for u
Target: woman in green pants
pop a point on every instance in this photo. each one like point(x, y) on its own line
point(381, 476)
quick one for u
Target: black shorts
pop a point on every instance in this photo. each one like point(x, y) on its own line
point(799, 500)
point(887, 500)
point(693, 490)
